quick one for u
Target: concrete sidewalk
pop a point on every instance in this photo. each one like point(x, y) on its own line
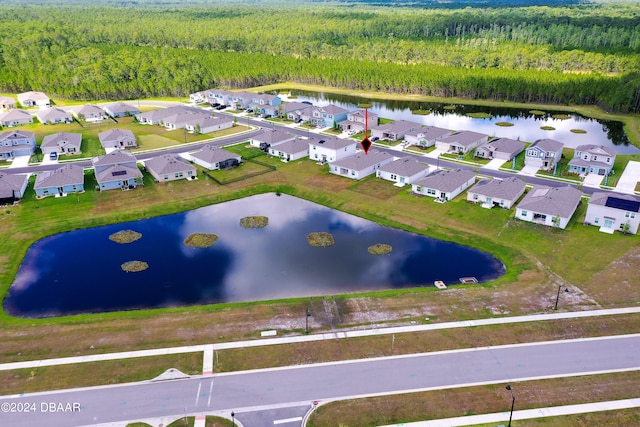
point(629, 179)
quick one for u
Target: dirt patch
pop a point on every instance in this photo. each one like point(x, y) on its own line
point(619, 283)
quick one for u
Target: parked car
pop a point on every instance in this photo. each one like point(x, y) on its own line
point(221, 107)
point(351, 132)
point(215, 104)
point(307, 102)
point(374, 139)
point(53, 156)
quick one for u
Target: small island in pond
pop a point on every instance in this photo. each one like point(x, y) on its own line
point(254, 222)
point(134, 266)
point(125, 236)
point(320, 239)
point(201, 240)
point(379, 249)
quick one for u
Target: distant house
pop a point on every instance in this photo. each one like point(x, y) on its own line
point(460, 142)
point(330, 149)
point(298, 112)
point(500, 148)
point(356, 121)
point(395, 130)
point(12, 187)
point(117, 139)
point(551, 206)
point(502, 193)
point(208, 124)
point(7, 102)
point(426, 136)
point(198, 97)
point(61, 143)
point(212, 158)
point(444, 184)
point(15, 117)
point(16, 143)
point(117, 169)
point(291, 150)
point(269, 137)
point(60, 182)
point(90, 113)
point(544, 154)
point(34, 99)
point(265, 104)
point(614, 211)
point(403, 171)
point(328, 116)
point(53, 115)
point(216, 96)
point(360, 165)
point(121, 109)
point(596, 159)
point(170, 167)
point(172, 117)
point(240, 100)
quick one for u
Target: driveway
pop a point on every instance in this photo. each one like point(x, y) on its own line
point(629, 179)
point(593, 180)
point(494, 164)
point(20, 162)
point(529, 170)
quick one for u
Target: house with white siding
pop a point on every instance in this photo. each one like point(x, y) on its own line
point(596, 159)
point(550, 206)
point(172, 117)
point(503, 193)
point(121, 109)
point(330, 149)
point(614, 212)
point(6, 102)
point(16, 143)
point(403, 171)
point(117, 169)
point(53, 115)
point(297, 111)
point(60, 182)
point(208, 124)
point(356, 121)
point(15, 117)
point(444, 184)
point(426, 136)
point(269, 137)
point(90, 113)
point(544, 154)
point(360, 165)
point(212, 158)
point(117, 139)
point(291, 150)
point(395, 130)
point(500, 148)
point(61, 143)
point(12, 187)
point(34, 99)
point(170, 167)
point(328, 116)
point(460, 142)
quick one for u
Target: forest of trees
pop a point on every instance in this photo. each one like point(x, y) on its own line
point(582, 54)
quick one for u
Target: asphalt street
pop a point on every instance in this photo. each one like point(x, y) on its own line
point(249, 392)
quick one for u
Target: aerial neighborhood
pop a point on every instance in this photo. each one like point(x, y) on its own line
point(339, 150)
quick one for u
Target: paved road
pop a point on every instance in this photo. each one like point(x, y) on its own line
point(246, 392)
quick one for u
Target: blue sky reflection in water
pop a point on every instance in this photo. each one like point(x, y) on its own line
point(79, 271)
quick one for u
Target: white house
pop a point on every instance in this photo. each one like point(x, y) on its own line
point(357, 120)
point(291, 150)
point(90, 113)
point(61, 143)
point(15, 117)
point(7, 102)
point(208, 124)
point(212, 158)
point(360, 165)
point(551, 206)
point(596, 159)
point(460, 142)
point(117, 139)
point(330, 149)
point(12, 187)
point(444, 184)
point(543, 154)
point(395, 130)
point(500, 148)
point(502, 193)
point(269, 137)
point(403, 171)
point(614, 211)
point(53, 115)
point(426, 136)
point(121, 109)
point(34, 99)
point(170, 167)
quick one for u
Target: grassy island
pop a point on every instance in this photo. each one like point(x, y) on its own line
point(134, 266)
point(254, 222)
point(201, 240)
point(125, 236)
point(379, 249)
point(320, 239)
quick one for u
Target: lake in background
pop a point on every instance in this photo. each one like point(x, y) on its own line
point(79, 271)
point(526, 125)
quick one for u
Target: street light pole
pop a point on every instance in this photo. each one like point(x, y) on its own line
point(306, 329)
point(513, 403)
point(233, 419)
point(558, 296)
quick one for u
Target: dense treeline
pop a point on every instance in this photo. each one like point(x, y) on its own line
point(588, 54)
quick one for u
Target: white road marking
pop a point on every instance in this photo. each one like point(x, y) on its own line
point(210, 392)
point(287, 420)
point(198, 393)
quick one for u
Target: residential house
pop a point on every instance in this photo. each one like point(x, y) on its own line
point(217, 96)
point(34, 99)
point(551, 206)
point(172, 117)
point(502, 193)
point(7, 102)
point(328, 116)
point(240, 100)
point(460, 142)
point(265, 104)
point(426, 136)
point(403, 171)
point(360, 165)
point(12, 187)
point(61, 143)
point(53, 115)
point(60, 182)
point(291, 150)
point(198, 97)
point(121, 109)
point(544, 154)
point(16, 143)
point(269, 137)
point(15, 117)
point(614, 211)
point(293, 110)
point(330, 149)
point(500, 148)
point(117, 169)
point(395, 130)
point(444, 184)
point(90, 113)
point(212, 158)
point(356, 121)
point(208, 124)
point(170, 167)
point(596, 159)
point(117, 139)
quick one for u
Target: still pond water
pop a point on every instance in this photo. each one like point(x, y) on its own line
point(79, 271)
point(526, 126)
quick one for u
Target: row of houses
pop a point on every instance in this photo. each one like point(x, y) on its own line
point(26, 99)
point(193, 119)
point(54, 115)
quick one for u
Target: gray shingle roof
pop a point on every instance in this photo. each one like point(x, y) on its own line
point(122, 107)
point(52, 114)
point(65, 138)
point(168, 163)
point(404, 167)
point(116, 156)
point(362, 161)
point(273, 136)
point(446, 180)
point(118, 173)
point(547, 144)
point(507, 189)
point(10, 183)
point(292, 147)
point(15, 114)
point(597, 149)
point(430, 132)
point(601, 198)
point(504, 145)
point(16, 134)
point(66, 175)
point(331, 142)
point(553, 201)
point(115, 135)
point(89, 109)
point(211, 154)
point(399, 126)
point(464, 138)
point(332, 109)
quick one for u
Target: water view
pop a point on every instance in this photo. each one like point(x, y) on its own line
point(526, 126)
point(80, 271)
